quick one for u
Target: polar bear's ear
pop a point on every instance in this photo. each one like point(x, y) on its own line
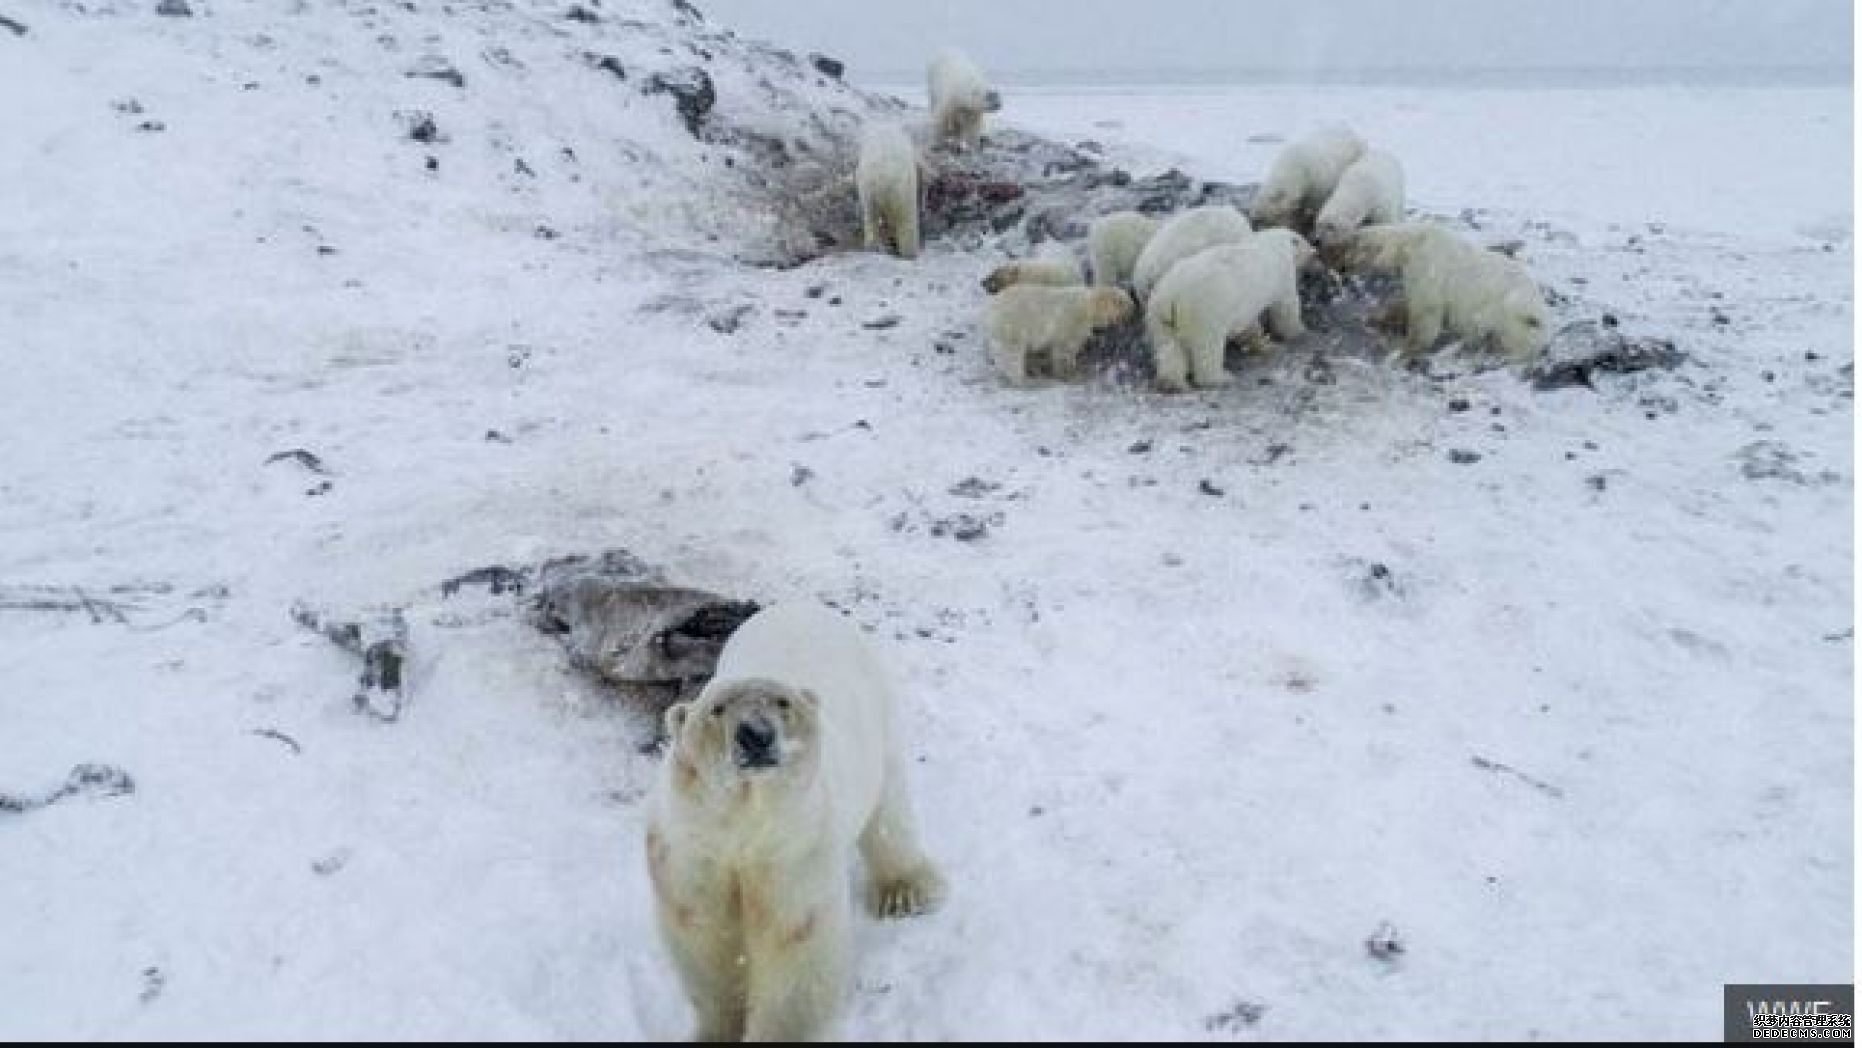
point(809, 699)
point(675, 719)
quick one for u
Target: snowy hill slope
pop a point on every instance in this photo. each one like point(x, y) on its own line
point(1204, 690)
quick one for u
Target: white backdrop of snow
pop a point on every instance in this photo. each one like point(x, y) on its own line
point(1178, 751)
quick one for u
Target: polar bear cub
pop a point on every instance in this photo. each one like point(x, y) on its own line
point(1114, 242)
point(1028, 319)
point(959, 97)
point(1186, 233)
point(1304, 175)
point(1451, 285)
point(1220, 292)
point(785, 764)
point(887, 181)
point(1369, 193)
point(1056, 267)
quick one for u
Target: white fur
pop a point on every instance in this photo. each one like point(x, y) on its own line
point(1369, 193)
point(751, 865)
point(1051, 269)
point(1114, 243)
point(960, 95)
point(1028, 319)
point(1184, 235)
point(887, 181)
point(1304, 175)
point(1220, 292)
point(1452, 285)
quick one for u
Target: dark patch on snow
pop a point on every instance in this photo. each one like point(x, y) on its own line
point(693, 94)
point(1463, 457)
point(18, 28)
point(420, 126)
point(1384, 944)
point(1237, 1017)
point(1538, 784)
point(115, 604)
point(95, 780)
point(174, 9)
point(881, 323)
point(965, 527)
point(331, 863)
point(497, 580)
point(606, 62)
point(726, 321)
point(1776, 460)
point(974, 488)
point(578, 13)
point(302, 457)
point(153, 982)
point(1581, 351)
point(279, 736)
point(380, 641)
point(440, 71)
point(833, 67)
point(1375, 581)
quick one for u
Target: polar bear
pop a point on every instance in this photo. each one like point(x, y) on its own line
point(1220, 292)
point(887, 181)
point(959, 98)
point(1114, 242)
point(1304, 175)
point(1370, 192)
point(774, 774)
point(1184, 235)
point(1028, 319)
point(1058, 268)
point(1452, 285)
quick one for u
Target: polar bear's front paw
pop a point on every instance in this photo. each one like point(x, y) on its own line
point(913, 893)
point(1215, 380)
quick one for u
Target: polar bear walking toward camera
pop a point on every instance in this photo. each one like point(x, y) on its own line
point(1304, 176)
point(959, 98)
point(1030, 319)
point(1369, 193)
point(1451, 285)
point(785, 764)
point(1186, 233)
point(1220, 292)
point(887, 181)
point(1114, 242)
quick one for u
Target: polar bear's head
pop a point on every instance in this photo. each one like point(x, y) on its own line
point(1374, 247)
point(1275, 205)
point(1108, 306)
point(1525, 324)
point(1299, 250)
point(745, 731)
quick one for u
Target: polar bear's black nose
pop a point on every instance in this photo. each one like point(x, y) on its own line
point(756, 743)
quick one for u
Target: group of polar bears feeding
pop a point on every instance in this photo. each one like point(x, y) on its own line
point(1208, 274)
point(788, 764)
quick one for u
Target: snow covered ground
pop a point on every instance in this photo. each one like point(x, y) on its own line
point(1554, 684)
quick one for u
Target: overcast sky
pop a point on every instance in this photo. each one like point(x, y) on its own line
point(879, 38)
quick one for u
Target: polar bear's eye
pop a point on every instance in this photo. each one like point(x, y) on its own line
point(782, 703)
point(717, 711)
